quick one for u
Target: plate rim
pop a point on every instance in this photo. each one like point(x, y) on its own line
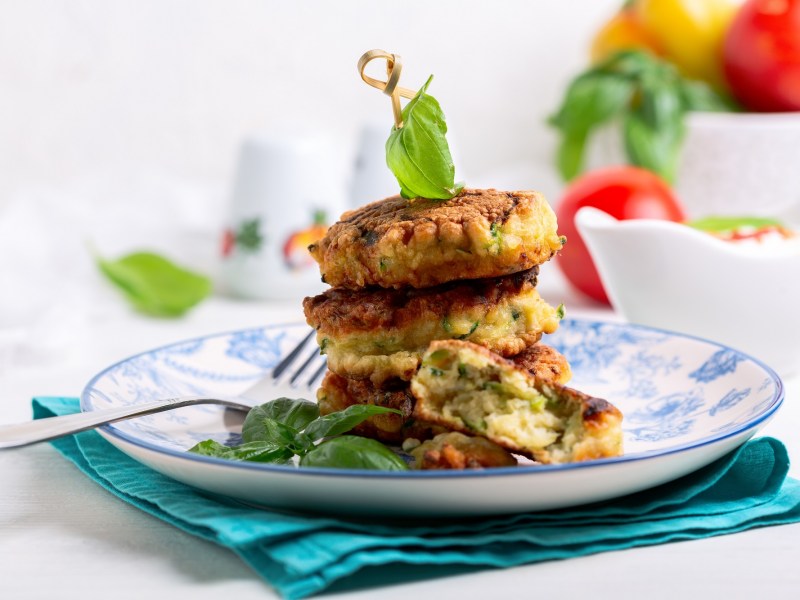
point(752, 423)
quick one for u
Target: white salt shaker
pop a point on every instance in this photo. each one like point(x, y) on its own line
point(371, 178)
point(286, 192)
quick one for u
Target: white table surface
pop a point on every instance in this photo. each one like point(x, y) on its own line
point(62, 536)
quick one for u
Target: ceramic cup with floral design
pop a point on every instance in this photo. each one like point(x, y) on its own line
point(283, 200)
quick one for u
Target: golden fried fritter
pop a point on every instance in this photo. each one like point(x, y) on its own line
point(455, 450)
point(381, 334)
point(464, 387)
point(337, 393)
point(420, 243)
point(544, 363)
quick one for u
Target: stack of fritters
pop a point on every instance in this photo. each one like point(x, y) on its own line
point(407, 272)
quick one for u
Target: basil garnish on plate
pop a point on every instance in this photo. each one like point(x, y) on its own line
point(418, 154)
point(353, 452)
point(279, 430)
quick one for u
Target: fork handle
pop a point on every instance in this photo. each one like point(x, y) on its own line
point(33, 432)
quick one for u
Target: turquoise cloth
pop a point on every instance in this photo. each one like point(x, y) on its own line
point(300, 555)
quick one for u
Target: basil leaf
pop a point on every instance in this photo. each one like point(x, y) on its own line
point(353, 452)
point(271, 432)
point(661, 105)
point(279, 434)
point(651, 98)
point(254, 452)
point(699, 96)
point(418, 153)
point(210, 448)
point(339, 422)
point(590, 101)
point(628, 63)
point(653, 132)
point(570, 156)
point(728, 224)
point(154, 285)
point(296, 414)
point(656, 149)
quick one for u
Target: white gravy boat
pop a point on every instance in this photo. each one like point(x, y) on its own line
point(671, 276)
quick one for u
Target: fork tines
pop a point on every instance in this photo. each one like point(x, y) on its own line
point(314, 365)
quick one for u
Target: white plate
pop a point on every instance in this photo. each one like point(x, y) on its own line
point(686, 403)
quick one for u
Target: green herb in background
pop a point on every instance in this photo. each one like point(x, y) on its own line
point(154, 285)
point(650, 99)
point(277, 431)
point(418, 154)
point(249, 235)
point(730, 224)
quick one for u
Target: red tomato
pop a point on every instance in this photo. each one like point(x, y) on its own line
point(622, 192)
point(761, 55)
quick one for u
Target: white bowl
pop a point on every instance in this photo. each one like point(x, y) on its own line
point(730, 164)
point(671, 276)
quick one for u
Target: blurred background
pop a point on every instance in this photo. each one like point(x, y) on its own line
point(108, 95)
point(122, 124)
point(226, 135)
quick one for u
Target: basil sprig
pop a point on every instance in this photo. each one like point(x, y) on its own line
point(354, 452)
point(154, 285)
point(648, 96)
point(417, 153)
point(279, 430)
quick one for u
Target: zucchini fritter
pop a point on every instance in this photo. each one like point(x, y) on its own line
point(466, 388)
point(381, 334)
point(420, 243)
point(545, 363)
point(337, 393)
point(458, 451)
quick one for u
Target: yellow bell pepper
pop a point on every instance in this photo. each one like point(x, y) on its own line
point(622, 32)
point(690, 32)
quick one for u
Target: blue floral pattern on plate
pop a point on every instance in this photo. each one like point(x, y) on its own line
point(673, 390)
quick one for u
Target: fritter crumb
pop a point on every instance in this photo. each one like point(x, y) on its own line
point(458, 451)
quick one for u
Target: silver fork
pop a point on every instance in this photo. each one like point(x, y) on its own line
point(282, 377)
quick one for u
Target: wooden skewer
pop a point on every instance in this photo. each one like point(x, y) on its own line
point(394, 66)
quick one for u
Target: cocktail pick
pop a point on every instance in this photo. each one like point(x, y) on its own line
point(394, 66)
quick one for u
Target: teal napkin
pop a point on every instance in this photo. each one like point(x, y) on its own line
point(300, 555)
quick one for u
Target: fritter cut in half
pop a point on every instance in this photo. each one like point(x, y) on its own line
point(466, 388)
point(420, 243)
point(337, 393)
point(458, 451)
point(381, 334)
point(545, 363)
